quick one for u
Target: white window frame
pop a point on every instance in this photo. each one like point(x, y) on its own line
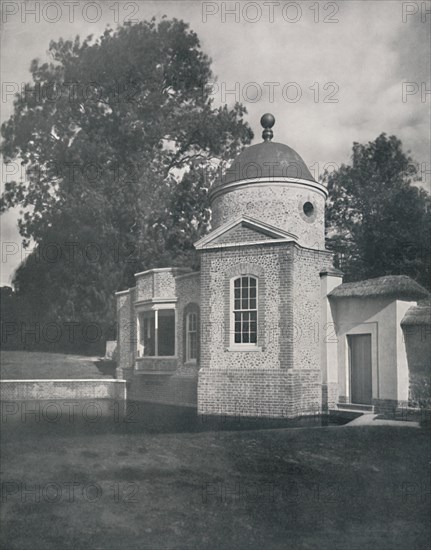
point(234, 346)
point(188, 358)
point(140, 346)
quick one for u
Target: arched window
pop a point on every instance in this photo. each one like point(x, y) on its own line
point(245, 310)
point(191, 336)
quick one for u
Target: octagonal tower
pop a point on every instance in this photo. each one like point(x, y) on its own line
point(270, 182)
point(261, 292)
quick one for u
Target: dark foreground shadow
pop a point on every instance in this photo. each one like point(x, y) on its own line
point(92, 417)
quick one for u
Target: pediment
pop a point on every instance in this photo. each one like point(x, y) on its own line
point(244, 231)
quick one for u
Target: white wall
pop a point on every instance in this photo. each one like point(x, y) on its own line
point(381, 318)
point(329, 345)
point(402, 363)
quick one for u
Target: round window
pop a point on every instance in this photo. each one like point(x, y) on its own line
point(308, 209)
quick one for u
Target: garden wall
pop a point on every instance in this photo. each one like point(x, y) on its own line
point(16, 390)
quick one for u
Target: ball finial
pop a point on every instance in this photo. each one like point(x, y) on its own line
point(267, 121)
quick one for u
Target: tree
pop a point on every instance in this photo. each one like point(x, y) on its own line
point(377, 222)
point(120, 141)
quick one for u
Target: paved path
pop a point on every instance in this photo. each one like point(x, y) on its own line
point(370, 419)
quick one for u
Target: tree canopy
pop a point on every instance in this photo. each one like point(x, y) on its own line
point(120, 142)
point(377, 221)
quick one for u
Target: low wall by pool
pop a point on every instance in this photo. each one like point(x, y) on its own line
point(18, 390)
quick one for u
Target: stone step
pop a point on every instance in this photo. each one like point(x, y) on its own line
point(355, 407)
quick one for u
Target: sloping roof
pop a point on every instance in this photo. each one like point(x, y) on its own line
point(418, 315)
point(398, 287)
point(331, 271)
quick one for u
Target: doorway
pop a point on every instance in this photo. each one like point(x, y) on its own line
point(360, 368)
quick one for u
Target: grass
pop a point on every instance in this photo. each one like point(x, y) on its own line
point(29, 365)
point(322, 488)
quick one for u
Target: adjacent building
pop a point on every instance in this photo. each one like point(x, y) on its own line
point(267, 327)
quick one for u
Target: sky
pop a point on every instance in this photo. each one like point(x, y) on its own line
point(332, 73)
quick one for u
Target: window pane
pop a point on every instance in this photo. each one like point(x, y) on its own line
point(191, 337)
point(148, 333)
point(192, 346)
point(245, 326)
point(237, 304)
point(252, 303)
point(192, 321)
point(253, 332)
point(253, 292)
point(166, 332)
point(244, 281)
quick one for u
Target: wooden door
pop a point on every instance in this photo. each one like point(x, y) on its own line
point(360, 368)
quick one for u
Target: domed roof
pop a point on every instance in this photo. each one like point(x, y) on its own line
point(266, 160)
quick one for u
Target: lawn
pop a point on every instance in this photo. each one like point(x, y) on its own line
point(319, 488)
point(30, 365)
